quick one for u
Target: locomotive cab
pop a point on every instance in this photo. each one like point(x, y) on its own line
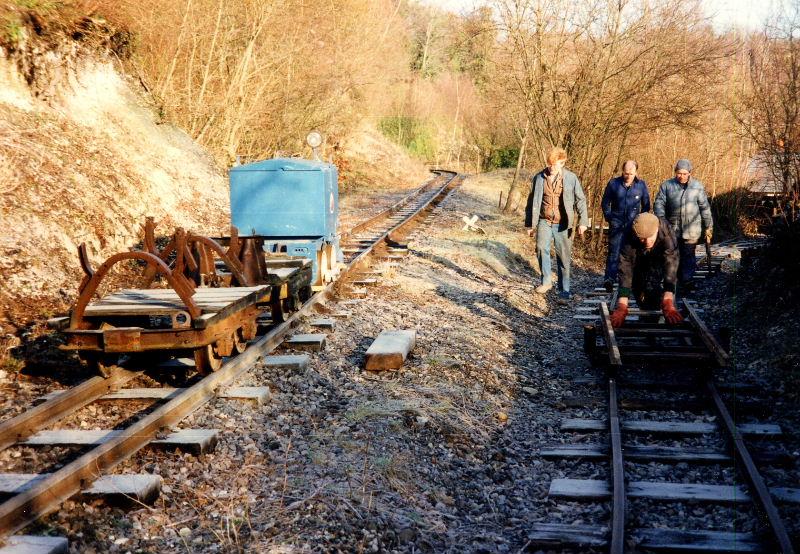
point(293, 205)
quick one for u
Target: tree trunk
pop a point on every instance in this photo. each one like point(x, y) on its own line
point(521, 156)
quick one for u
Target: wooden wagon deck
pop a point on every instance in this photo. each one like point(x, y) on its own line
point(214, 303)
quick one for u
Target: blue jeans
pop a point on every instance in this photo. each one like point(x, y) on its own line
point(616, 234)
point(548, 234)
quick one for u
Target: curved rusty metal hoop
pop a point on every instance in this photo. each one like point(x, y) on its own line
point(232, 264)
point(86, 266)
point(177, 281)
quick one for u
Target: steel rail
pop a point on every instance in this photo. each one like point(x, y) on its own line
point(761, 496)
point(618, 506)
point(46, 495)
point(393, 208)
point(449, 183)
point(30, 421)
point(614, 357)
point(618, 502)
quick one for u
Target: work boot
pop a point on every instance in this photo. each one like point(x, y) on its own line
point(564, 297)
point(608, 284)
point(541, 289)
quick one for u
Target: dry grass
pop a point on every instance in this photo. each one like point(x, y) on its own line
point(248, 78)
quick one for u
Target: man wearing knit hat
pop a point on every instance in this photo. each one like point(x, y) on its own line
point(648, 268)
point(682, 200)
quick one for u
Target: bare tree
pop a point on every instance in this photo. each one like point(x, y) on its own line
point(596, 76)
point(770, 110)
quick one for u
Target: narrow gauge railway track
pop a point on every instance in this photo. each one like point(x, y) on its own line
point(648, 340)
point(36, 495)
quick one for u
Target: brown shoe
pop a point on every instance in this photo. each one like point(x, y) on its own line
point(541, 289)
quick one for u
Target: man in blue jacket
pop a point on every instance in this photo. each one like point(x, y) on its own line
point(550, 212)
point(625, 197)
point(683, 202)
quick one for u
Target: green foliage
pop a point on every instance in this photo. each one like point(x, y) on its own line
point(411, 133)
point(13, 31)
point(501, 158)
point(12, 18)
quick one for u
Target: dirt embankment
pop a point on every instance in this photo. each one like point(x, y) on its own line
point(84, 158)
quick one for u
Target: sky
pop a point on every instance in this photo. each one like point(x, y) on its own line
point(747, 14)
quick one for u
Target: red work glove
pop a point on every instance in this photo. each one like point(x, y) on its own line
point(619, 315)
point(672, 315)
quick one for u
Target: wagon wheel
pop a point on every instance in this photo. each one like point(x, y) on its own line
point(239, 342)
point(276, 306)
point(207, 360)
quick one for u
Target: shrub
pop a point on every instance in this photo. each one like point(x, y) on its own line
point(501, 158)
point(411, 133)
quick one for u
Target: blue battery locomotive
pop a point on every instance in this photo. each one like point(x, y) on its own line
point(293, 205)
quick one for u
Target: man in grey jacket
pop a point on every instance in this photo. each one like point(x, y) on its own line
point(549, 214)
point(683, 202)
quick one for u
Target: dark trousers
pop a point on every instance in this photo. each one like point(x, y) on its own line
point(648, 288)
point(648, 298)
point(688, 262)
point(616, 235)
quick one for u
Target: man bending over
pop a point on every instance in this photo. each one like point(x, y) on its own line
point(648, 268)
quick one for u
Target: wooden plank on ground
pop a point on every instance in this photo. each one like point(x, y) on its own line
point(786, 494)
point(390, 349)
point(661, 540)
point(677, 540)
point(638, 453)
point(557, 534)
point(294, 362)
point(670, 427)
point(34, 544)
point(122, 489)
point(139, 487)
point(591, 489)
point(307, 341)
point(664, 454)
point(324, 323)
point(196, 441)
point(259, 395)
